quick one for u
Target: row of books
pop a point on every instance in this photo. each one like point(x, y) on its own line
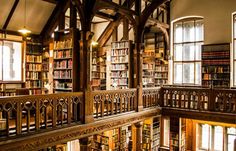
point(34, 48)
point(118, 67)
point(119, 74)
point(116, 82)
point(45, 66)
point(216, 62)
point(35, 91)
point(63, 44)
point(120, 59)
point(160, 81)
point(216, 69)
point(215, 76)
point(148, 80)
point(148, 54)
point(216, 84)
point(102, 69)
point(161, 68)
point(94, 68)
point(33, 84)
point(64, 64)
point(148, 66)
point(34, 58)
point(45, 75)
point(62, 54)
point(121, 44)
point(161, 75)
point(62, 74)
point(58, 84)
point(148, 73)
point(215, 54)
point(33, 67)
point(95, 82)
point(119, 52)
point(32, 75)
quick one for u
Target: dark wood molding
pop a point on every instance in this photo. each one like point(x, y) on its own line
point(200, 115)
point(53, 137)
point(105, 16)
point(10, 14)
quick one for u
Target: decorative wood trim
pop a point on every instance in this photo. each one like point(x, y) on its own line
point(53, 137)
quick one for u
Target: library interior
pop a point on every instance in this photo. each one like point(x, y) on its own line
point(117, 75)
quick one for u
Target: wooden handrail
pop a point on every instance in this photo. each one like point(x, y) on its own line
point(24, 114)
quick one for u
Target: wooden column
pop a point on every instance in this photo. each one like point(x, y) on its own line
point(61, 24)
point(73, 16)
point(138, 140)
point(114, 34)
point(85, 144)
point(125, 29)
point(138, 60)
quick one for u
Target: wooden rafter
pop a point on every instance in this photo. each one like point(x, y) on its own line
point(50, 1)
point(54, 18)
point(104, 37)
point(10, 14)
point(122, 9)
point(149, 10)
point(105, 16)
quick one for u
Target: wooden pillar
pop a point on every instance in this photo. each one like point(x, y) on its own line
point(73, 16)
point(61, 24)
point(85, 144)
point(125, 29)
point(114, 34)
point(138, 140)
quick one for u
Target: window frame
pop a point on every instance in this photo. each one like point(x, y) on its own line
point(182, 62)
point(22, 61)
point(234, 50)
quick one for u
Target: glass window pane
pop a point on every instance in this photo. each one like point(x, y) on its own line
point(178, 73)
point(178, 52)
point(218, 138)
point(231, 132)
point(166, 131)
point(205, 136)
point(234, 49)
point(188, 52)
point(198, 51)
point(234, 73)
point(199, 30)
point(198, 73)
point(178, 32)
point(188, 31)
point(12, 61)
point(188, 73)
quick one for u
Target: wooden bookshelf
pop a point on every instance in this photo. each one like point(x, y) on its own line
point(95, 79)
point(174, 134)
point(146, 134)
point(182, 134)
point(65, 61)
point(161, 64)
point(100, 143)
point(120, 138)
point(120, 64)
point(45, 66)
point(155, 134)
point(216, 65)
point(33, 67)
point(102, 67)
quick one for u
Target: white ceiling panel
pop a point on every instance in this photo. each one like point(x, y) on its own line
point(5, 8)
point(37, 15)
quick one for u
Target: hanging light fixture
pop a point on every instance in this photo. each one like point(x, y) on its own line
point(24, 31)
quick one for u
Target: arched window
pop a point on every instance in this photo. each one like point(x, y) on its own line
point(187, 41)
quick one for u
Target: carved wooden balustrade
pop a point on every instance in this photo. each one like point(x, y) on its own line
point(186, 98)
point(112, 102)
point(27, 114)
point(202, 99)
point(151, 97)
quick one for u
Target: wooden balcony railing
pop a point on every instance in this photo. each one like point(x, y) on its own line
point(112, 102)
point(27, 114)
point(201, 99)
point(151, 97)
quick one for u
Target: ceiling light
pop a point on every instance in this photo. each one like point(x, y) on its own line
point(24, 31)
point(94, 43)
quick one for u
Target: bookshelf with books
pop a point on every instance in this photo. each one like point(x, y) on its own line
point(33, 67)
point(182, 134)
point(101, 62)
point(216, 65)
point(120, 64)
point(161, 63)
point(174, 133)
point(100, 143)
point(95, 77)
point(65, 61)
point(120, 138)
point(146, 137)
point(155, 133)
point(45, 66)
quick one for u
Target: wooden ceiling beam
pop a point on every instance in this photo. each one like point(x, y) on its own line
point(122, 9)
point(105, 16)
point(10, 14)
point(60, 8)
point(104, 37)
point(157, 23)
point(51, 1)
